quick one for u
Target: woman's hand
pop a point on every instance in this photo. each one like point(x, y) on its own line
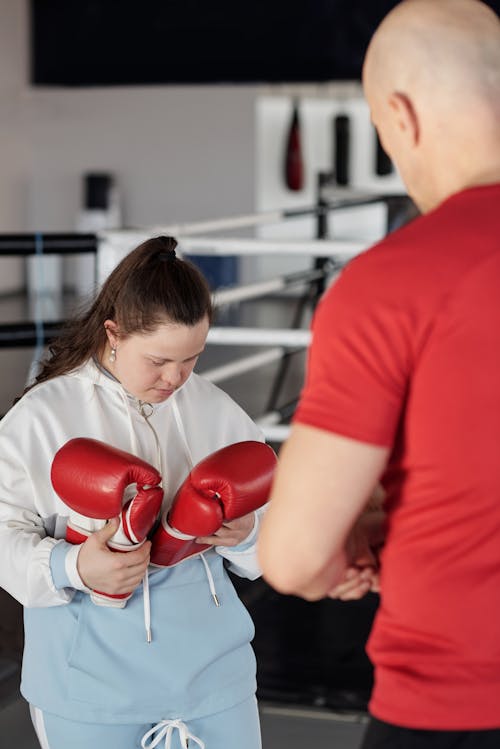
point(109, 571)
point(231, 533)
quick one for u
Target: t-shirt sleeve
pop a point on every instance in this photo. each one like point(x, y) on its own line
point(359, 359)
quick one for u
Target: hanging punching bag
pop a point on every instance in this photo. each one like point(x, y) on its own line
point(294, 164)
point(341, 125)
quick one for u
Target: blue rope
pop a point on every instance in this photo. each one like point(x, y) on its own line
point(39, 329)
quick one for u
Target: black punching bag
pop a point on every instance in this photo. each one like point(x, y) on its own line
point(294, 162)
point(341, 126)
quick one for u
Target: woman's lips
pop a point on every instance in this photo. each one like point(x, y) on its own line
point(164, 391)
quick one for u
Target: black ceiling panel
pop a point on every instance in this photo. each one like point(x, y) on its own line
point(141, 42)
point(123, 42)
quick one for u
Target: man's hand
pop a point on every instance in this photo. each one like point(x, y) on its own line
point(361, 576)
point(322, 485)
point(358, 581)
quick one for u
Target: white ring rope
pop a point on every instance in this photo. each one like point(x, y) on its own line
point(243, 365)
point(113, 246)
point(200, 227)
point(232, 294)
point(229, 336)
point(221, 224)
point(335, 199)
point(275, 432)
point(346, 248)
point(269, 419)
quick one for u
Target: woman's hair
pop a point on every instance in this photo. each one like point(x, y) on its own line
point(149, 286)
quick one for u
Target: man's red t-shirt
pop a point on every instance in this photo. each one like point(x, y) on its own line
point(406, 353)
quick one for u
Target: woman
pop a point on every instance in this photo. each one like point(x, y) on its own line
point(123, 374)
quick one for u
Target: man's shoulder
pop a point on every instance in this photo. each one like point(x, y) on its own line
point(419, 256)
point(395, 248)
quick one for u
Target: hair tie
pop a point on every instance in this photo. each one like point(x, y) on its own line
point(167, 256)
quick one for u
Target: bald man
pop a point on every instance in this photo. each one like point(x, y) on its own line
point(403, 388)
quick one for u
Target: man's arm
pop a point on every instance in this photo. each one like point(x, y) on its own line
point(323, 483)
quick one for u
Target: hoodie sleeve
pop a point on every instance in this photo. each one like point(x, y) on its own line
point(243, 558)
point(25, 546)
point(25, 552)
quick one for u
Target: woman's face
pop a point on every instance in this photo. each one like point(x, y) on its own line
point(151, 366)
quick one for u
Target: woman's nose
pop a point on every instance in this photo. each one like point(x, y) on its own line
point(172, 375)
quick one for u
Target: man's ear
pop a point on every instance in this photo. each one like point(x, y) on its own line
point(405, 116)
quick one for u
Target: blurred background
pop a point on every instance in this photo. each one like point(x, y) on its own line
point(135, 115)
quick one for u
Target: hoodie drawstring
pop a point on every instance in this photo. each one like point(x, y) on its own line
point(143, 410)
point(147, 607)
point(164, 730)
point(210, 579)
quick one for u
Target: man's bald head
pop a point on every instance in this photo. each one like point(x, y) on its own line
point(441, 59)
point(452, 46)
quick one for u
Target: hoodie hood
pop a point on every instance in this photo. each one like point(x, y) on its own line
point(96, 376)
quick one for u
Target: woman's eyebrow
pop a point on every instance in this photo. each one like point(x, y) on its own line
point(165, 359)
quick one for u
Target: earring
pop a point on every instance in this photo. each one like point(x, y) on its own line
point(112, 356)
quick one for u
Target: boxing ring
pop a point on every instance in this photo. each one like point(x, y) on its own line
point(256, 351)
point(258, 346)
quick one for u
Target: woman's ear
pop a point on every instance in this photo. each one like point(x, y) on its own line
point(405, 117)
point(112, 334)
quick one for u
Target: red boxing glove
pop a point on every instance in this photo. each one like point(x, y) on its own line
point(91, 478)
point(226, 485)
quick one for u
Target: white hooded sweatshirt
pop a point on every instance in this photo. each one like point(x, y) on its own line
point(92, 663)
